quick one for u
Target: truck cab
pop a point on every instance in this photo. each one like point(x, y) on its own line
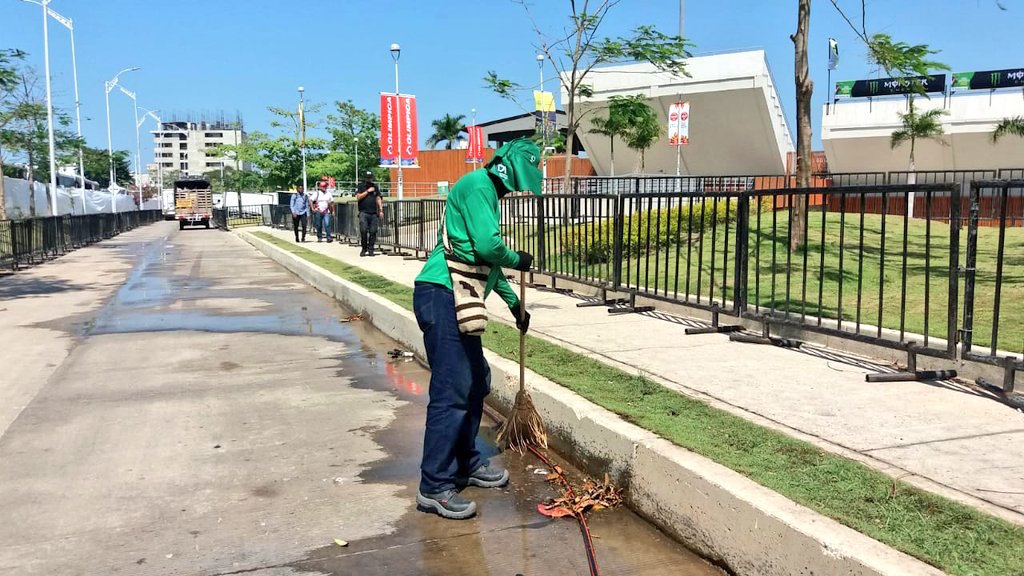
point(193, 202)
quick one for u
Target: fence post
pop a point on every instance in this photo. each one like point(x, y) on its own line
point(617, 232)
point(955, 208)
point(970, 270)
point(541, 243)
point(739, 295)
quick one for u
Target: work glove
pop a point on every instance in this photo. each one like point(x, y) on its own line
point(525, 261)
point(522, 319)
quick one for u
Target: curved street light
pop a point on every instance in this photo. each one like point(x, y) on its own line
point(109, 85)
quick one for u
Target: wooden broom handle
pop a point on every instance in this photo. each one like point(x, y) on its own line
point(522, 335)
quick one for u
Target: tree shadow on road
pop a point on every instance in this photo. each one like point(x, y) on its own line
point(17, 285)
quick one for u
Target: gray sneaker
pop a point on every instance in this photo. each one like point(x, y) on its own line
point(447, 504)
point(488, 477)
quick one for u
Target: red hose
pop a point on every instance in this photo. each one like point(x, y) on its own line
point(588, 541)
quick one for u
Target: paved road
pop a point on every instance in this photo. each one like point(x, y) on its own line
point(943, 437)
point(175, 403)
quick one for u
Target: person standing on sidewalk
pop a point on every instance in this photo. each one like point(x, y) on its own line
point(300, 212)
point(323, 206)
point(371, 210)
point(460, 377)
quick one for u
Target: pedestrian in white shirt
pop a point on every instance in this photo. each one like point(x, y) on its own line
point(323, 208)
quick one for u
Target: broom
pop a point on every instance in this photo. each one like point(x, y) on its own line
point(523, 427)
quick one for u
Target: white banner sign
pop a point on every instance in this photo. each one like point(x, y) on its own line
point(679, 124)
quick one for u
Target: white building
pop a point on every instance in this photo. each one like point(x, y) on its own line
point(185, 146)
point(856, 132)
point(737, 124)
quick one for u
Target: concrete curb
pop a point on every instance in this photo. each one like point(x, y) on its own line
point(719, 513)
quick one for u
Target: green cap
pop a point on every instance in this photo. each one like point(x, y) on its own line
point(516, 164)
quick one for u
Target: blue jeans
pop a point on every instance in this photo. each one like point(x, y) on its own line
point(459, 380)
point(322, 223)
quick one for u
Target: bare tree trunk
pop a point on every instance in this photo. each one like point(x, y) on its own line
point(570, 137)
point(804, 90)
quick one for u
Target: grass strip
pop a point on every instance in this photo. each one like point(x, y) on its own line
point(951, 536)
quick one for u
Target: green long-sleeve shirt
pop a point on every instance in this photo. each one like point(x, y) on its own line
point(472, 215)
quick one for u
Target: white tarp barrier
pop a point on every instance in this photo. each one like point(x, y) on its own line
point(248, 199)
point(69, 200)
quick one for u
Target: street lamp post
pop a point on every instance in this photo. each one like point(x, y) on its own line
point(109, 85)
point(159, 161)
point(544, 122)
point(67, 23)
point(302, 136)
point(49, 107)
point(396, 53)
point(138, 144)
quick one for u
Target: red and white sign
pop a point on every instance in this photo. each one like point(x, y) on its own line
point(679, 124)
point(399, 136)
point(388, 130)
point(475, 150)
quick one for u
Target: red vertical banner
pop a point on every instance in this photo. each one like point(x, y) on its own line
point(409, 133)
point(389, 125)
point(475, 149)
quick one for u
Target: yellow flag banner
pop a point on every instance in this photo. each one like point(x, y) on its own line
point(544, 101)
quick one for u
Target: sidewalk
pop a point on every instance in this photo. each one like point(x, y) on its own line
point(941, 438)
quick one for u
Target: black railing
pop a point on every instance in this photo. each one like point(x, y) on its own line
point(34, 240)
point(993, 281)
point(879, 263)
point(866, 270)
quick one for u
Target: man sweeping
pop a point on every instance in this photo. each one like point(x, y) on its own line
point(464, 267)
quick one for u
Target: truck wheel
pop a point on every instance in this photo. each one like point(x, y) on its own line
point(181, 224)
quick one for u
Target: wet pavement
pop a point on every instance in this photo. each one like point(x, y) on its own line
point(215, 415)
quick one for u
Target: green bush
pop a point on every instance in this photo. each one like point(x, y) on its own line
point(664, 228)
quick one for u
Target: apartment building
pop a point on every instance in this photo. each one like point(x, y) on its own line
point(187, 146)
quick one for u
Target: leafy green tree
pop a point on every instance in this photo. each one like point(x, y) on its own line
point(447, 129)
point(575, 53)
point(916, 126)
point(612, 127)
point(644, 128)
point(1009, 127)
point(632, 120)
point(8, 82)
point(97, 166)
point(23, 128)
point(278, 159)
point(354, 141)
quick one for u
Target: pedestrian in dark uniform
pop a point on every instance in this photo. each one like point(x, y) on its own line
point(371, 210)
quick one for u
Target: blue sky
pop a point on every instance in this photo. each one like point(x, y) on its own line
point(242, 55)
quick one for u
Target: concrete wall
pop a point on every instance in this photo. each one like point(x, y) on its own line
point(737, 124)
point(856, 132)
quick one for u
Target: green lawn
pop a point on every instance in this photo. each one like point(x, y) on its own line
point(946, 534)
point(840, 280)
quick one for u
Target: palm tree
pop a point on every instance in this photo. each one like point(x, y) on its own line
point(612, 126)
point(447, 129)
point(1009, 127)
point(916, 126)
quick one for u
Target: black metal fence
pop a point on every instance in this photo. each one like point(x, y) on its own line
point(870, 261)
point(34, 240)
point(994, 284)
